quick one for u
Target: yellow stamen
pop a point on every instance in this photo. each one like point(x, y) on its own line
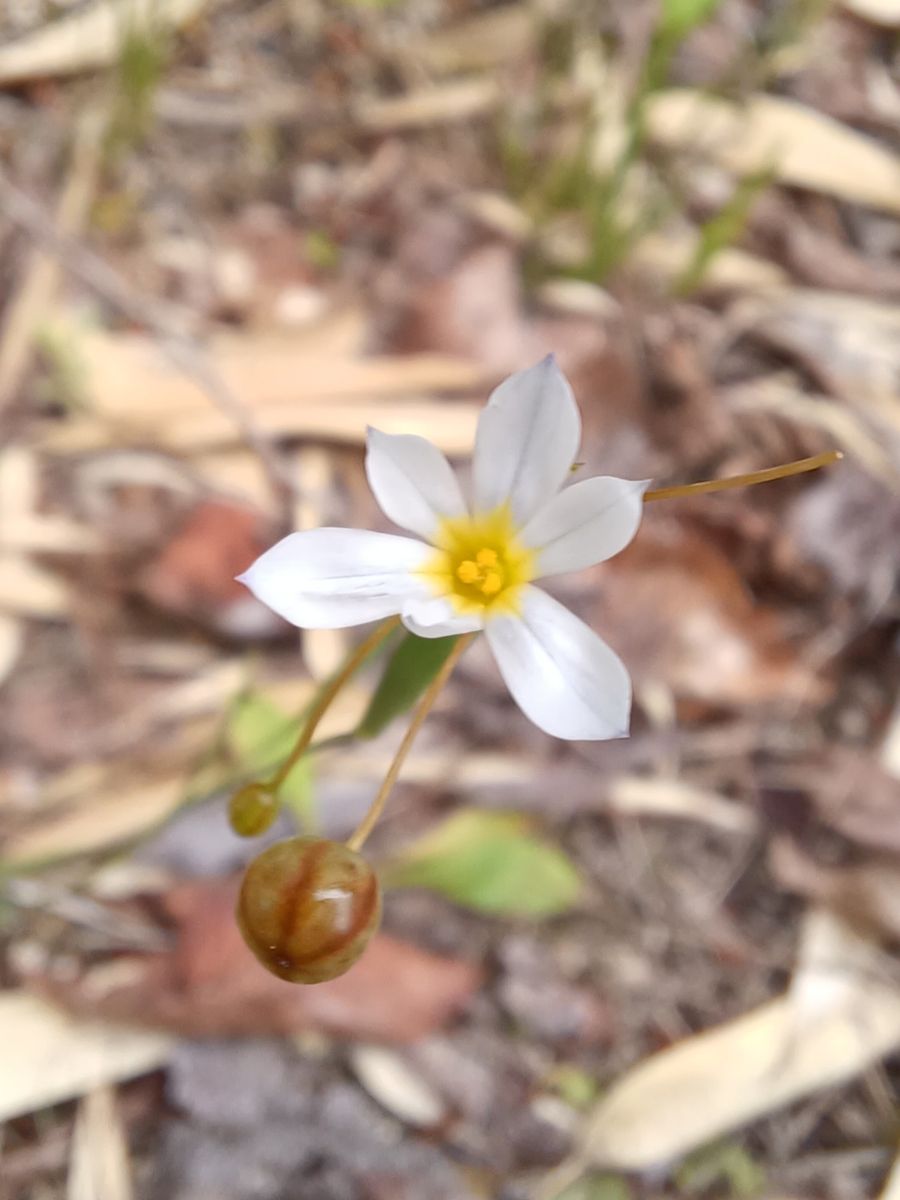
point(468, 571)
point(720, 485)
point(479, 563)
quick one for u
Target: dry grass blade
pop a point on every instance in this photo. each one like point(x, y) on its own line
point(435, 106)
point(35, 294)
point(48, 1057)
point(89, 38)
point(99, 1168)
point(636, 795)
point(482, 40)
point(289, 391)
point(803, 147)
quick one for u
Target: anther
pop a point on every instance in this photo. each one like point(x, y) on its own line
point(491, 583)
point(468, 571)
point(486, 558)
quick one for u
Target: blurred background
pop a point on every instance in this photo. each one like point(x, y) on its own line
point(232, 234)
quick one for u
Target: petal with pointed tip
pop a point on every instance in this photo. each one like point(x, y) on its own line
point(527, 439)
point(562, 676)
point(331, 578)
point(412, 481)
point(586, 523)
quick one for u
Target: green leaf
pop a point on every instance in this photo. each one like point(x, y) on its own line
point(259, 735)
point(598, 1187)
point(725, 1168)
point(724, 228)
point(492, 862)
point(408, 673)
point(679, 17)
point(575, 1086)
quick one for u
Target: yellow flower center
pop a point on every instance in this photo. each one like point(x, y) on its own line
point(479, 562)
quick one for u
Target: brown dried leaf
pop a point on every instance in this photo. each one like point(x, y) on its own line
point(88, 38)
point(804, 148)
point(289, 386)
point(866, 896)
point(841, 1014)
point(48, 1057)
point(856, 796)
point(211, 985)
point(194, 574)
point(681, 614)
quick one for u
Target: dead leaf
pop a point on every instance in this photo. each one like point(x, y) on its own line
point(848, 343)
point(891, 1190)
point(854, 794)
point(288, 385)
point(866, 896)
point(680, 613)
point(211, 985)
point(29, 590)
point(638, 795)
point(89, 38)
point(194, 574)
point(840, 1015)
point(803, 147)
point(879, 12)
point(391, 1080)
point(103, 818)
point(457, 101)
point(484, 39)
point(49, 1057)
point(11, 642)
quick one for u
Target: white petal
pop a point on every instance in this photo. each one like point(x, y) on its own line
point(585, 523)
point(527, 440)
point(329, 578)
point(562, 676)
point(435, 617)
point(412, 481)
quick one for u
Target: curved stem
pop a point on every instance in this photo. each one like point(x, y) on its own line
point(325, 697)
point(367, 824)
point(735, 481)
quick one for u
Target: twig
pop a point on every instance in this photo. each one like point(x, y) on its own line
point(180, 350)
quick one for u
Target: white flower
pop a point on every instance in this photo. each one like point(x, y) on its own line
point(475, 568)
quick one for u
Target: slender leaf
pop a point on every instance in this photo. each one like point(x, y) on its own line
point(408, 673)
point(679, 17)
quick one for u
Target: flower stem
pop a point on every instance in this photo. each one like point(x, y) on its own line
point(734, 481)
point(325, 697)
point(365, 827)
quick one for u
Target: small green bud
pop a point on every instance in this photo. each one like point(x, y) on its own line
point(252, 809)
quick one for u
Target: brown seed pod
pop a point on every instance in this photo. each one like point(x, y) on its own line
point(307, 907)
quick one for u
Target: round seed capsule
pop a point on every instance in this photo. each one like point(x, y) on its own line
point(252, 809)
point(307, 908)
